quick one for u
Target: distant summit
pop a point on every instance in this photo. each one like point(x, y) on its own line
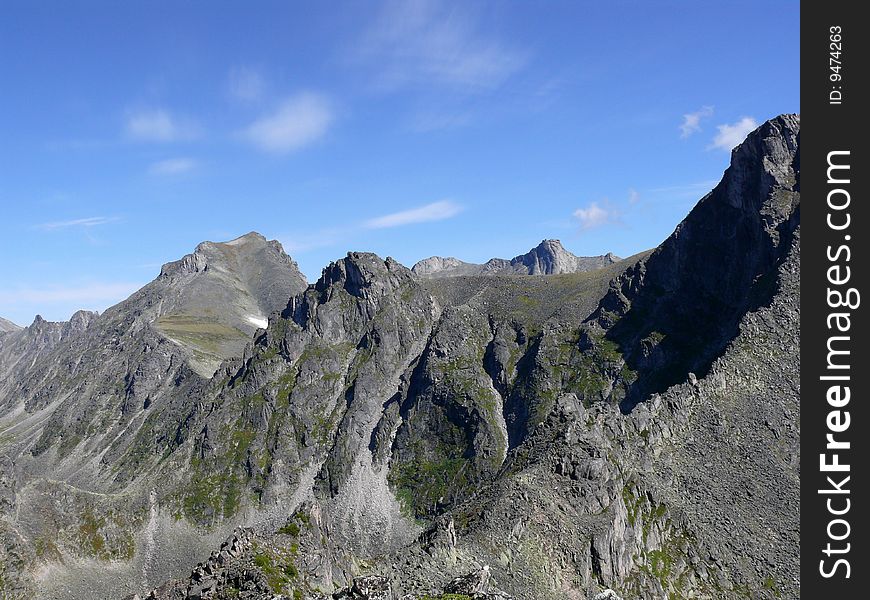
point(547, 258)
point(211, 301)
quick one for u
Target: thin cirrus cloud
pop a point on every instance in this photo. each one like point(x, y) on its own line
point(86, 222)
point(692, 121)
point(594, 215)
point(302, 242)
point(159, 126)
point(172, 166)
point(685, 190)
point(437, 120)
point(102, 294)
point(245, 84)
point(731, 135)
point(299, 121)
point(436, 211)
point(424, 42)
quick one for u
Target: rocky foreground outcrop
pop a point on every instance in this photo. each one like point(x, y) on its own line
point(627, 432)
point(240, 569)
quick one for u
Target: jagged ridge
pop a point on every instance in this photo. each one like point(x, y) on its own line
point(547, 258)
point(381, 427)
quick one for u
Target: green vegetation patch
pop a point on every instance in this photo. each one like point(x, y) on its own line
point(590, 374)
point(423, 483)
point(204, 334)
point(210, 497)
point(278, 568)
point(94, 539)
point(216, 486)
point(293, 526)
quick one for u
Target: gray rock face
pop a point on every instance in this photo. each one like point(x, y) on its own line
point(370, 587)
point(394, 435)
point(437, 266)
point(547, 258)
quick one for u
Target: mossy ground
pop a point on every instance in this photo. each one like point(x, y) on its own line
point(278, 564)
point(427, 482)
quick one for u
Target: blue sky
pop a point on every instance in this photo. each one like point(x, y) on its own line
point(132, 131)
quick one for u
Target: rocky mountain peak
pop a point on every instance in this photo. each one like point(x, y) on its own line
point(40, 334)
point(550, 258)
point(81, 318)
point(351, 291)
point(211, 301)
point(551, 246)
point(361, 274)
point(437, 264)
point(45, 334)
point(222, 250)
point(767, 158)
point(80, 321)
point(226, 255)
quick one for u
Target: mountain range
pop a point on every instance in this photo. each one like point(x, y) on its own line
point(547, 258)
point(545, 427)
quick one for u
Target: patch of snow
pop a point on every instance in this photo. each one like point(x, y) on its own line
point(259, 322)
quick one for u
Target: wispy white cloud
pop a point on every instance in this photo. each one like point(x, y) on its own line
point(633, 196)
point(302, 242)
point(78, 223)
point(89, 293)
point(423, 42)
point(692, 121)
point(246, 84)
point(424, 122)
point(299, 121)
point(436, 211)
point(159, 126)
point(173, 166)
point(594, 215)
point(78, 145)
point(732, 135)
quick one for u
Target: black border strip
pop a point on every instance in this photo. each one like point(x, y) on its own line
point(834, 104)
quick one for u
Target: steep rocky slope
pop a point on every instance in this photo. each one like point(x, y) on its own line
point(580, 435)
point(547, 258)
point(71, 393)
point(7, 326)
